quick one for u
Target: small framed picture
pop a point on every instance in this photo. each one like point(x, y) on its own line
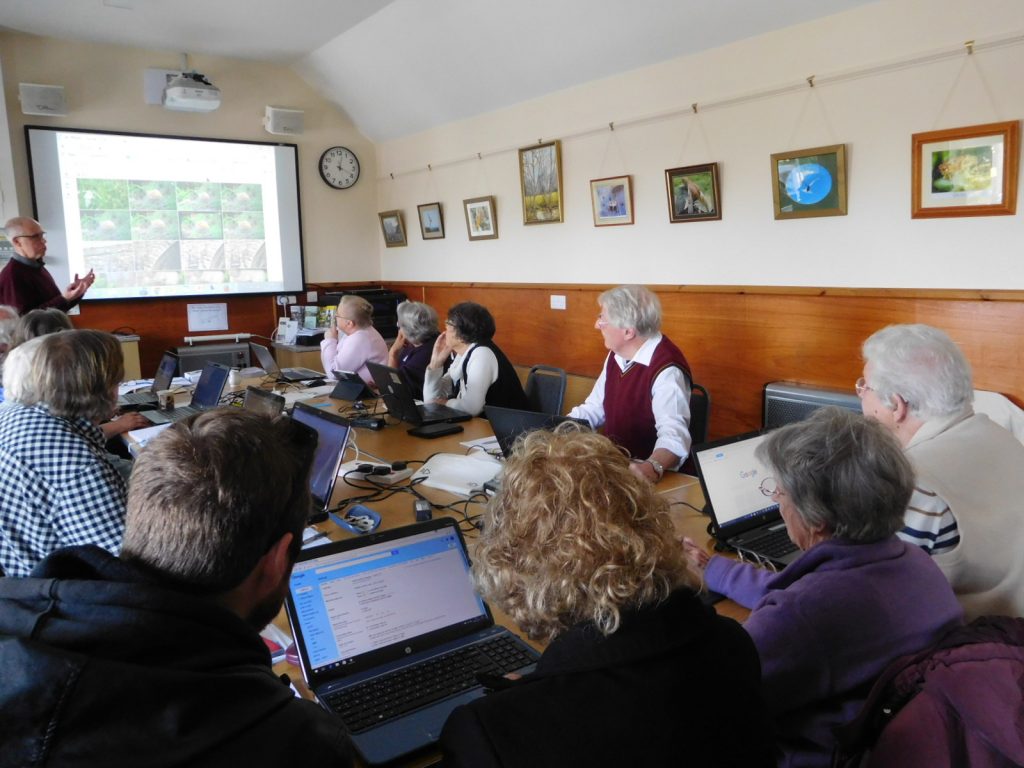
point(693, 193)
point(393, 228)
point(965, 171)
point(431, 221)
point(481, 218)
point(809, 182)
point(540, 172)
point(612, 200)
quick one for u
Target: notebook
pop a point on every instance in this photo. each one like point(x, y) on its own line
point(332, 437)
point(261, 401)
point(350, 386)
point(207, 395)
point(744, 518)
point(268, 364)
point(161, 380)
point(397, 603)
point(401, 402)
point(509, 423)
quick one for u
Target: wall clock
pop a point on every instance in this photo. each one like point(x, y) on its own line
point(339, 167)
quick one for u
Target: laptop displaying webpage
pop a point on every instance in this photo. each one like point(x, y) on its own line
point(733, 478)
point(354, 602)
point(165, 372)
point(332, 435)
point(210, 386)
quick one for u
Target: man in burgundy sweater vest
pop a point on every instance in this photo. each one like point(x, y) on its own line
point(642, 397)
point(25, 283)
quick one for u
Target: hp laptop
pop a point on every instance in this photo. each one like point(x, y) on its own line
point(268, 364)
point(401, 402)
point(509, 423)
point(261, 401)
point(332, 437)
point(395, 611)
point(207, 395)
point(161, 380)
point(744, 518)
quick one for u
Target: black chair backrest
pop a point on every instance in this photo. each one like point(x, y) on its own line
point(545, 389)
point(700, 413)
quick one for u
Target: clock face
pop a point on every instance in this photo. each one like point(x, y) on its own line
point(339, 167)
point(808, 184)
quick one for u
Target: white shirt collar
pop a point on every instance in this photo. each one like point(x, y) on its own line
point(643, 355)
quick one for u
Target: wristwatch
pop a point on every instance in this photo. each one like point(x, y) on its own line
point(658, 467)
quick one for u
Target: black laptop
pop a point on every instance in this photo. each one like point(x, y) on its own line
point(269, 364)
point(509, 423)
point(744, 518)
point(350, 386)
point(394, 614)
point(269, 404)
point(332, 436)
point(161, 381)
point(401, 402)
point(206, 396)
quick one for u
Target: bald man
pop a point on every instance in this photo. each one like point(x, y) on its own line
point(25, 283)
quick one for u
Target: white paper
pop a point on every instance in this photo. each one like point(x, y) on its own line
point(207, 317)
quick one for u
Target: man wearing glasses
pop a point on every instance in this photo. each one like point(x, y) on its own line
point(25, 283)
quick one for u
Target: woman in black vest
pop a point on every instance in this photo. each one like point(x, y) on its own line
point(479, 374)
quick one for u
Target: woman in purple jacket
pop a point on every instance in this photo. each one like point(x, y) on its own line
point(410, 353)
point(858, 597)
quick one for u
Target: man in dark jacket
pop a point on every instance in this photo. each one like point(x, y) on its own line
point(154, 658)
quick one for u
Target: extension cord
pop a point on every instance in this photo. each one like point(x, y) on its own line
point(347, 470)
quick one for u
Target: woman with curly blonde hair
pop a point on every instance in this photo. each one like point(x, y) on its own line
point(581, 553)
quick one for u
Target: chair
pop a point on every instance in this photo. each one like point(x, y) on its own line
point(545, 389)
point(700, 415)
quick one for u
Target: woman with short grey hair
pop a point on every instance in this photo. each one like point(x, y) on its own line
point(410, 353)
point(58, 487)
point(858, 597)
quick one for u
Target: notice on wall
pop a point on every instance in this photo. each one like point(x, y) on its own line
point(207, 317)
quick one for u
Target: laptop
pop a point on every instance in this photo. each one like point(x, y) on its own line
point(206, 396)
point(743, 517)
point(401, 402)
point(161, 380)
point(373, 611)
point(350, 386)
point(509, 423)
point(332, 436)
point(268, 364)
point(269, 404)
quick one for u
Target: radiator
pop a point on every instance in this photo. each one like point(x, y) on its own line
point(786, 402)
point(193, 357)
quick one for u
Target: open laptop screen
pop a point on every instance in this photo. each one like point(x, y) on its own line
point(211, 385)
point(732, 477)
point(264, 358)
point(165, 372)
point(332, 436)
point(354, 603)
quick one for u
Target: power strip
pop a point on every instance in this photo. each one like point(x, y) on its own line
point(348, 471)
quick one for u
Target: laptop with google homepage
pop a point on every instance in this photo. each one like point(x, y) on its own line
point(744, 517)
point(391, 634)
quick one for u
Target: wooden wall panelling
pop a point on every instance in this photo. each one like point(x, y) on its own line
point(162, 323)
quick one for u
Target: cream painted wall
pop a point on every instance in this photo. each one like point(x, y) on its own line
point(876, 245)
point(103, 84)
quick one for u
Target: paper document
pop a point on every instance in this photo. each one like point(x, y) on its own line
point(459, 474)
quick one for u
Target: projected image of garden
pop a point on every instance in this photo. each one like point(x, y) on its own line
point(169, 235)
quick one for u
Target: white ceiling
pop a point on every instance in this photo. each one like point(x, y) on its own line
point(397, 67)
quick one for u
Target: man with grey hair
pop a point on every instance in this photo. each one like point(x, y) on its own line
point(154, 657)
point(967, 505)
point(642, 397)
point(25, 283)
point(8, 322)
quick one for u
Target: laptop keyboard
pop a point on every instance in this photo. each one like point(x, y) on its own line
point(773, 544)
point(139, 398)
point(389, 696)
point(165, 417)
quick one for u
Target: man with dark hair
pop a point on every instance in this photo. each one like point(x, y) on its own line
point(25, 283)
point(154, 658)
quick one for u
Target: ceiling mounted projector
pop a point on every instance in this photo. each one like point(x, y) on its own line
point(191, 92)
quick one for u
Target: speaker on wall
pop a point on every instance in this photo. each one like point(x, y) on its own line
point(283, 122)
point(45, 100)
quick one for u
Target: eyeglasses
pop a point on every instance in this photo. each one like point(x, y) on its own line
point(36, 236)
point(769, 487)
point(603, 322)
point(861, 385)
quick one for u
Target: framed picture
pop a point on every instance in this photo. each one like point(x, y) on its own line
point(693, 193)
point(965, 171)
point(612, 200)
point(393, 228)
point(540, 171)
point(481, 218)
point(809, 182)
point(431, 221)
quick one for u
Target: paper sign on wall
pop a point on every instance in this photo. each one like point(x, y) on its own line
point(207, 317)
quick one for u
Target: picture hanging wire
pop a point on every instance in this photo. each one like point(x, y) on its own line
point(867, 71)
